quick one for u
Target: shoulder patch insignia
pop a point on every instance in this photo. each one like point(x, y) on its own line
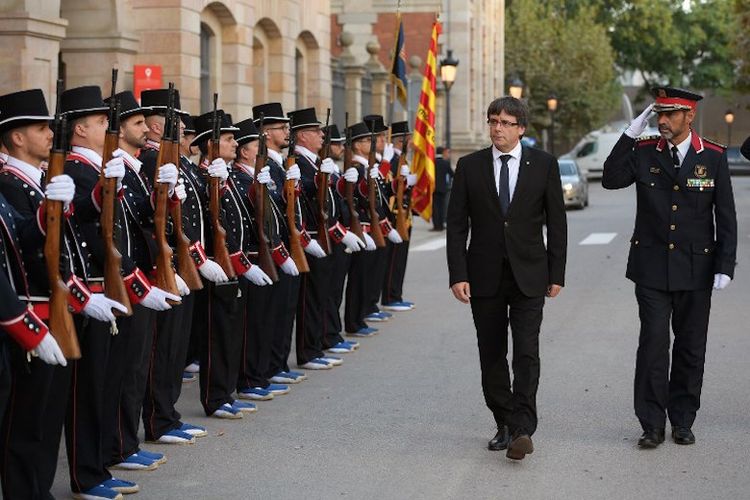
point(716, 146)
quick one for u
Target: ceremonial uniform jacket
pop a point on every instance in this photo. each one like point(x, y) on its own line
point(276, 192)
point(675, 244)
point(309, 202)
point(244, 188)
point(381, 197)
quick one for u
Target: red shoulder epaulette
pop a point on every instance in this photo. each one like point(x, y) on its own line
point(647, 141)
point(714, 145)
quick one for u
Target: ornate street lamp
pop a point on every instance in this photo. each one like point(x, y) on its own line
point(516, 88)
point(552, 107)
point(729, 118)
point(448, 76)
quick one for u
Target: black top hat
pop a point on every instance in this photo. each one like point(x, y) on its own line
point(399, 128)
point(158, 101)
point(204, 125)
point(333, 131)
point(82, 101)
point(672, 99)
point(272, 113)
point(379, 123)
point(189, 122)
point(358, 131)
point(128, 105)
point(22, 108)
point(304, 118)
point(246, 133)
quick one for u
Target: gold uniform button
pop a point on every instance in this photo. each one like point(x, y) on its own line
point(671, 246)
point(676, 187)
point(705, 250)
point(672, 227)
point(674, 208)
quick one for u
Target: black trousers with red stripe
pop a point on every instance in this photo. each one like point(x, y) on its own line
point(129, 354)
point(166, 365)
point(311, 309)
point(84, 419)
point(376, 274)
point(283, 309)
point(395, 271)
point(340, 267)
point(258, 330)
point(356, 290)
point(33, 424)
point(221, 340)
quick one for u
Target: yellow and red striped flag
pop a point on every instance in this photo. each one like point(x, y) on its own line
point(423, 162)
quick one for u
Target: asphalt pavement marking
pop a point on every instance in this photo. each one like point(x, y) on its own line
point(429, 246)
point(598, 239)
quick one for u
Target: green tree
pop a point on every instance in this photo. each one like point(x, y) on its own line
point(554, 50)
point(741, 43)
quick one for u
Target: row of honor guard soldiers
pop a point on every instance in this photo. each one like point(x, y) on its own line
point(260, 249)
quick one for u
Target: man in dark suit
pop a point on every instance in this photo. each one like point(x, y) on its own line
point(503, 195)
point(443, 175)
point(685, 241)
point(745, 149)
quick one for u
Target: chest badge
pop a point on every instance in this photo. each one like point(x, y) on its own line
point(700, 171)
point(654, 170)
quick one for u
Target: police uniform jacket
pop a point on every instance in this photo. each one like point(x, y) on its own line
point(309, 202)
point(685, 226)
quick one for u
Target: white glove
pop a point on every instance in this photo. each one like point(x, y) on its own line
point(374, 172)
point(721, 281)
point(293, 173)
point(100, 307)
point(289, 267)
point(369, 243)
point(49, 352)
point(181, 285)
point(179, 190)
point(352, 242)
point(638, 125)
point(218, 168)
point(405, 170)
point(256, 276)
point(264, 176)
point(351, 175)
point(61, 188)
point(213, 272)
point(328, 166)
point(156, 299)
point(115, 168)
point(394, 236)
point(314, 249)
point(411, 180)
point(168, 175)
point(388, 152)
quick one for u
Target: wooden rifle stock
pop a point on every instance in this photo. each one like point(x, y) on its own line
point(323, 238)
point(295, 238)
point(221, 254)
point(375, 232)
point(354, 224)
point(114, 286)
point(60, 320)
point(402, 221)
point(165, 278)
point(262, 214)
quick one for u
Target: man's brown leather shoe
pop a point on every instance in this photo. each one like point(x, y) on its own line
point(519, 447)
point(500, 441)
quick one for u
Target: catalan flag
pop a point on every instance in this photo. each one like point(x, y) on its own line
point(423, 163)
point(398, 67)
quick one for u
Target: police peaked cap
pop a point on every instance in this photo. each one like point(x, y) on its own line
point(22, 108)
point(672, 99)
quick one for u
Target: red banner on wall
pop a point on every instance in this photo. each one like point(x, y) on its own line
point(146, 77)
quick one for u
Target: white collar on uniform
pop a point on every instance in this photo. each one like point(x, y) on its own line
point(682, 148)
point(33, 173)
point(515, 152)
point(89, 154)
point(306, 153)
point(276, 156)
point(361, 160)
point(3, 157)
point(133, 163)
point(245, 168)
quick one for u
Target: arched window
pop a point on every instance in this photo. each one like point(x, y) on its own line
point(206, 95)
point(299, 80)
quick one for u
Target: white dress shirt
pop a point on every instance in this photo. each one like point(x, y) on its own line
point(682, 148)
point(514, 164)
point(33, 173)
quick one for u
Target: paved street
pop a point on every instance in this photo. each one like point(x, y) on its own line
point(404, 417)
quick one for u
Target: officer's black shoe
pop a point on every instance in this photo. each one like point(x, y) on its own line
point(683, 435)
point(500, 441)
point(651, 438)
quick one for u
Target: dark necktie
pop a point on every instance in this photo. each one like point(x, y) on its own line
point(675, 157)
point(504, 185)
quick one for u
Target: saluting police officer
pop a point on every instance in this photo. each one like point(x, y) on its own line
point(684, 243)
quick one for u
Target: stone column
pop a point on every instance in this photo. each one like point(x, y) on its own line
point(353, 74)
point(30, 35)
point(380, 96)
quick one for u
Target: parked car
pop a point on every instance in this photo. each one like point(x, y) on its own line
point(575, 185)
point(738, 164)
